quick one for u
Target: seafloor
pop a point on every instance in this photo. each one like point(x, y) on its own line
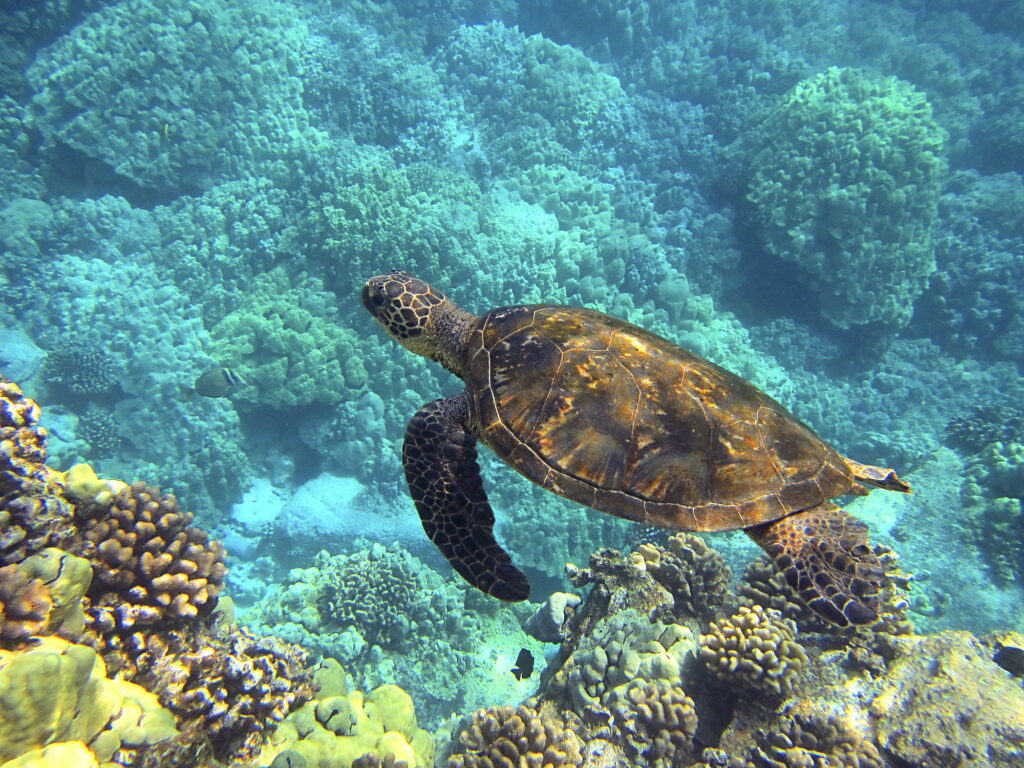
point(823, 197)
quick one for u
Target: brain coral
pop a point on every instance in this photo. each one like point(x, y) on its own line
point(844, 184)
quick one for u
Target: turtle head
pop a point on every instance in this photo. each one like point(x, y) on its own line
point(418, 316)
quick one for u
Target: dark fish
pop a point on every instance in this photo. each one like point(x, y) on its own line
point(218, 382)
point(524, 665)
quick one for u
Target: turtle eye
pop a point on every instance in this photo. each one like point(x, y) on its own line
point(373, 298)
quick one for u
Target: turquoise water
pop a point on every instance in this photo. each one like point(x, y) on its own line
point(822, 197)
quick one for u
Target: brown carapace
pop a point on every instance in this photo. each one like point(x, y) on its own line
point(617, 418)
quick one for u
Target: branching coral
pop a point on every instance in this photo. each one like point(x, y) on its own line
point(100, 430)
point(83, 368)
point(151, 564)
point(754, 648)
point(231, 687)
point(377, 590)
point(32, 515)
point(516, 737)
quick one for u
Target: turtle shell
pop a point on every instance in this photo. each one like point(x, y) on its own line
point(617, 418)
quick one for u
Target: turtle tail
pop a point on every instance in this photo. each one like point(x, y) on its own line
point(824, 554)
point(439, 456)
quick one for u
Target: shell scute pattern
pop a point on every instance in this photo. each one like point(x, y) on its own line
point(612, 416)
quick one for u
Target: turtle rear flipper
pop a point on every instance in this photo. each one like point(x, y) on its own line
point(824, 554)
point(439, 455)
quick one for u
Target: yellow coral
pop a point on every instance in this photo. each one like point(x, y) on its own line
point(84, 487)
point(56, 691)
point(67, 579)
point(336, 730)
point(71, 754)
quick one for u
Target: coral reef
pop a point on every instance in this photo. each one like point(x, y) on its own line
point(849, 164)
point(84, 368)
point(152, 565)
point(807, 740)
point(140, 589)
point(509, 737)
point(756, 649)
point(634, 686)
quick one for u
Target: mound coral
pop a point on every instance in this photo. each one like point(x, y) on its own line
point(171, 95)
point(348, 728)
point(284, 338)
point(754, 648)
point(994, 495)
point(656, 723)
point(77, 703)
point(845, 180)
point(511, 737)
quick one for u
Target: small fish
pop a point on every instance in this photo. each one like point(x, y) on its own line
point(218, 382)
point(524, 665)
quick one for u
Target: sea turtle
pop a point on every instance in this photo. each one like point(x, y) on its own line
point(626, 422)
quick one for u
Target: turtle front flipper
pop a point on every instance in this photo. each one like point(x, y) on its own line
point(824, 554)
point(439, 456)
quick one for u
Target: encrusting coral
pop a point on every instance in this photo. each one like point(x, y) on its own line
point(754, 648)
point(77, 703)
